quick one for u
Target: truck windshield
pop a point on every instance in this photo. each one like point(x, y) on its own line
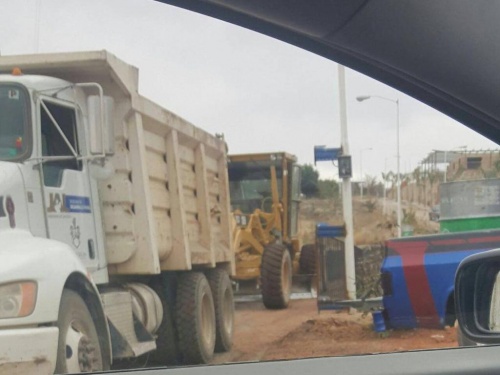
point(251, 188)
point(14, 123)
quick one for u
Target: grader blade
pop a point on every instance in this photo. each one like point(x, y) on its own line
point(303, 287)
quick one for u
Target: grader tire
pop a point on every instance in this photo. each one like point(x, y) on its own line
point(222, 292)
point(167, 351)
point(195, 316)
point(276, 276)
point(308, 260)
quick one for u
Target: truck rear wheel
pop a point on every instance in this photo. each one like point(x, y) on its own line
point(222, 292)
point(78, 349)
point(308, 260)
point(195, 317)
point(276, 276)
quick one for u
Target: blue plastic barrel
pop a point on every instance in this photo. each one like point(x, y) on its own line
point(378, 321)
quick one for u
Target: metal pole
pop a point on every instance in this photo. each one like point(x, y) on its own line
point(445, 165)
point(350, 269)
point(426, 175)
point(361, 172)
point(398, 178)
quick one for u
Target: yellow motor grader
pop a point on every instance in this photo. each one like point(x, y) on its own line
point(265, 198)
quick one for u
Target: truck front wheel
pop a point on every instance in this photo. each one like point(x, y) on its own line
point(78, 349)
point(195, 317)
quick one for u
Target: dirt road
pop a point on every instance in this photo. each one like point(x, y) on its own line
point(299, 332)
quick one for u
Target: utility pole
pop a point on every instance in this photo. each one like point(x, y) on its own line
point(350, 268)
point(398, 180)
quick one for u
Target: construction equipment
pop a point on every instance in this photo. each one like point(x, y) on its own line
point(265, 198)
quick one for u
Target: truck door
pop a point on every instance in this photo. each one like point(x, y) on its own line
point(68, 205)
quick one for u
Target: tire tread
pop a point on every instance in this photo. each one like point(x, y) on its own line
point(188, 326)
point(219, 280)
point(270, 273)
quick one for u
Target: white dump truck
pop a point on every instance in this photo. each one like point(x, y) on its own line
point(115, 236)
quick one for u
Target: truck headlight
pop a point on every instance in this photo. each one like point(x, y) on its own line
point(17, 299)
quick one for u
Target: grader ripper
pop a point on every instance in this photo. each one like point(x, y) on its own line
point(265, 198)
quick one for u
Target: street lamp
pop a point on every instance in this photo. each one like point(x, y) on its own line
point(398, 177)
point(361, 168)
point(384, 210)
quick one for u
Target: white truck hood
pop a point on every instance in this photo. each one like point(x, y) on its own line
point(49, 263)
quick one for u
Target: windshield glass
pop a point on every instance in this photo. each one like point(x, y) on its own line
point(250, 188)
point(14, 122)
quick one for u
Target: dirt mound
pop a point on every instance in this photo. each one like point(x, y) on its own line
point(346, 334)
point(331, 328)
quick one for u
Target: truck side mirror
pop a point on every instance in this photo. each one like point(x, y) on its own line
point(101, 124)
point(477, 297)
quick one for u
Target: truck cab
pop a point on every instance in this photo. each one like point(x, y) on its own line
point(46, 162)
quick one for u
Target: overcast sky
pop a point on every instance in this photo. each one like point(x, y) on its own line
point(263, 94)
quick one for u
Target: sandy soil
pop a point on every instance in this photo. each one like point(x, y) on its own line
point(300, 332)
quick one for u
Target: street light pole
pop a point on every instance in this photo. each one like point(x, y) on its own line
point(398, 174)
point(445, 164)
point(384, 210)
point(398, 179)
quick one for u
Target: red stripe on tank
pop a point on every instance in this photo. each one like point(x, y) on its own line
point(419, 290)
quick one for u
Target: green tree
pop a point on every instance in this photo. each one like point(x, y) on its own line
point(309, 183)
point(328, 189)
